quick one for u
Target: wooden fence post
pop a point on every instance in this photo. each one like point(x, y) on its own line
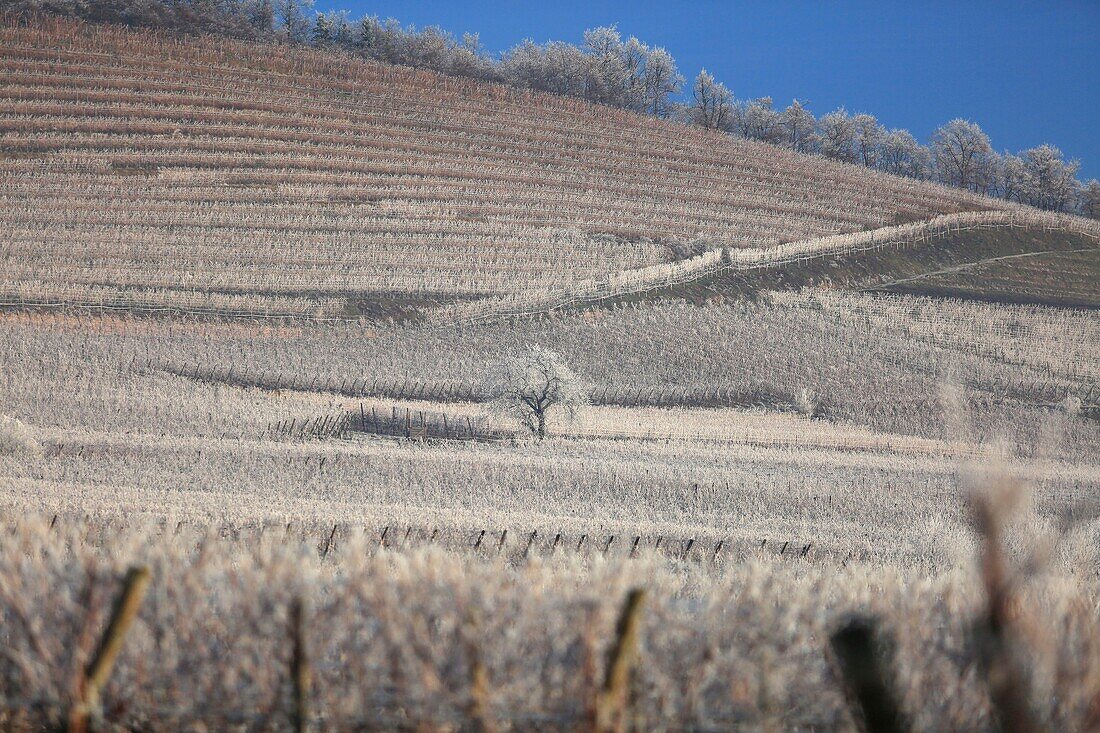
point(530, 541)
point(866, 681)
point(299, 669)
point(612, 705)
point(99, 668)
point(478, 709)
point(329, 542)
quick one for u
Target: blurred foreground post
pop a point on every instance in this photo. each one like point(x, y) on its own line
point(611, 704)
point(299, 669)
point(996, 636)
point(866, 678)
point(99, 668)
point(478, 709)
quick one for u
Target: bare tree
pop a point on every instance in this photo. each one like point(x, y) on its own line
point(838, 136)
point(557, 67)
point(607, 69)
point(293, 17)
point(869, 136)
point(524, 65)
point(565, 67)
point(1011, 178)
point(902, 155)
point(633, 60)
point(799, 128)
point(530, 384)
point(470, 59)
point(963, 155)
point(1051, 182)
point(713, 104)
point(758, 120)
point(662, 79)
point(1089, 203)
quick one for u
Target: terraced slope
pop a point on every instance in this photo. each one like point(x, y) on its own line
point(204, 174)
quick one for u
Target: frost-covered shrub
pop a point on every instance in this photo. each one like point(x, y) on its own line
point(16, 438)
point(807, 402)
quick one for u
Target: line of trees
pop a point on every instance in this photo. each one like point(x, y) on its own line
point(607, 69)
point(959, 154)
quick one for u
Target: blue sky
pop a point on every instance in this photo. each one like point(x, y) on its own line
point(1027, 72)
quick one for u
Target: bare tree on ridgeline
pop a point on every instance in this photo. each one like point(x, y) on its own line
point(962, 155)
point(712, 106)
point(799, 129)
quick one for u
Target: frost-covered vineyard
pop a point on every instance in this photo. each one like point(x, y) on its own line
point(873, 361)
point(123, 428)
point(136, 163)
point(269, 321)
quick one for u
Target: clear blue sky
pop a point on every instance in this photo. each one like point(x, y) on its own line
point(1027, 72)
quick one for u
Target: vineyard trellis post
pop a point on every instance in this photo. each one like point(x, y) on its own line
point(612, 701)
point(98, 670)
point(300, 674)
point(857, 655)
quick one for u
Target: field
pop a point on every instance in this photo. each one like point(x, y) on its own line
point(756, 528)
point(739, 519)
point(245, 339)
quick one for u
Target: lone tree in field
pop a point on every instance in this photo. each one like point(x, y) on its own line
point(531, 383)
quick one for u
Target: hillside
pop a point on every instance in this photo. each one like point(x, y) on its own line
point(337, 396)
point(1026, 265)
point(211, 175)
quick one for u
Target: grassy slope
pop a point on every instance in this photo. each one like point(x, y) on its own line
point(1018, 267)
point(1000, 265)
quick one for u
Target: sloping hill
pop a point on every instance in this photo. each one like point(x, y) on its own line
point(1023, 264)
point(205, 174)
point(1019, 255)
